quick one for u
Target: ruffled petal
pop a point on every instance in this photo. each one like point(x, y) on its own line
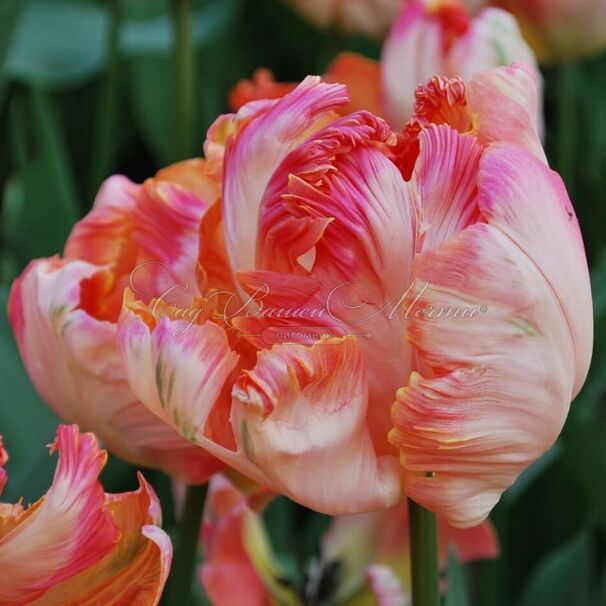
point(340, 202)
point(250, 161)
point(498, 378)
point(178, 369)
point(504, 105)
point(69, 530)
point(300, 417)
point(446, 183)
point(143, 236)
point(136, 569)
point(101, 237)
point(74, 363)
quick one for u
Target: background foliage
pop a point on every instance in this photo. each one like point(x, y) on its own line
point(86, 90)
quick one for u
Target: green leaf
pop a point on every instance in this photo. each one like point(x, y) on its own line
point(457, 593)
point(564, 576)
point(153, 112)
point(42, 203)
point(585, 459)
point(58, 43)
point(154, 36)
point(152, 75)
point(530, 474)
point(9, 11)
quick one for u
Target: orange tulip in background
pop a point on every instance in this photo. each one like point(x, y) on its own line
point(78, 546)
point(363, 559)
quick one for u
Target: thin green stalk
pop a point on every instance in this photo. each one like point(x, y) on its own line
point(186, 544)
point(423, 556)
point(185, 71)
point(107, 111)
point(567, 123)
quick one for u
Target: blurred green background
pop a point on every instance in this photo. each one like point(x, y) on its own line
point(86, 90)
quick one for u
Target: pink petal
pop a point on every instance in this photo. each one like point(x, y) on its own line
point(178, 370)
point(386, 587)
point(308, 434)
point(340, 198)
point(529, 204)
point(504, 105)
point(445, 176)
point(74, 363)
point(3, 461)
point(497, 384)
point(225, 555)
point(181, 372)
point(250, 161)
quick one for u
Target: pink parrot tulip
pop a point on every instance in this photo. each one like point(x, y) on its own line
point(383, 315)
point(368, 17)
point(363, 558)
point(428, 39)
point(64, 311)
point(78, 546)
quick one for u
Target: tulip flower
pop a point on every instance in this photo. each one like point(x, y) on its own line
point(367, 336)
point(442, 39)
point(64, 311)
point(427, 39)
point(368, 17)
point(362, 558)
point(559, 29)
point(78, 545)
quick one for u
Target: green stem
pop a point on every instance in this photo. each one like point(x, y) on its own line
point(567, 123)
point(186, 545)
point(423, 556)
point(185, 72)
point(107, 111)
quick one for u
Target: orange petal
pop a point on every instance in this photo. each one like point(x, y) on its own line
point(362, 76)
point(135, 571)
point(69, 530)
point(262, 86)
